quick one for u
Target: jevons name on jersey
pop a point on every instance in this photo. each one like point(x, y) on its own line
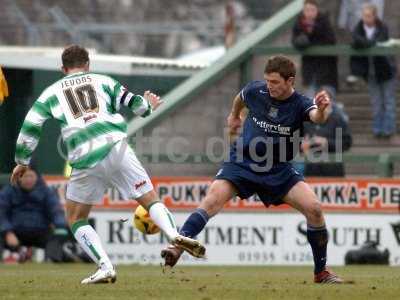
point(86, 105)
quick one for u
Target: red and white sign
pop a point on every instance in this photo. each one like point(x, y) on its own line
point(252, 238)
point(368, 210)
point(336, 195)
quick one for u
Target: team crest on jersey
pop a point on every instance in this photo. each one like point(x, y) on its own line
point(273, 112)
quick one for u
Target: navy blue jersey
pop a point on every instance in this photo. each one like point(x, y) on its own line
point(272, 130)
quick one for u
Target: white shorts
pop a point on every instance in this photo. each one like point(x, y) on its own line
point(119, 169)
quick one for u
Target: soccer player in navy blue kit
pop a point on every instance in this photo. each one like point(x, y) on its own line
point(260, 159)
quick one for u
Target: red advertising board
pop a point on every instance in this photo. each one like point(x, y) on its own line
point(336, 195)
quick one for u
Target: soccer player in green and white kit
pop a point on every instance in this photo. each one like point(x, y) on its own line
point(87, 105)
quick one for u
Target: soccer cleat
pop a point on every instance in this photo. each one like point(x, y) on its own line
point(25, 254)
point(171, 255)
point(192, 246)
point(327, 276)
point(101, 276)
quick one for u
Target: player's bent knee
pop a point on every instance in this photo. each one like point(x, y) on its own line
point(314, 214)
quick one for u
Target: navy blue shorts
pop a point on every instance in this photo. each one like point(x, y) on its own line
point(270, 186)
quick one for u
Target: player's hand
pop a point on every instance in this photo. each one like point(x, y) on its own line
point(322, 100)
point(320, 141)
point(18, 171)
point(154, 100)
point(11, 239)
point(234, 123)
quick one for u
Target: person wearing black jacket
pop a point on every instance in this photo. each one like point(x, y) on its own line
point(311, 29)
point(378, 71)
point(30, 214)
point(334, 136)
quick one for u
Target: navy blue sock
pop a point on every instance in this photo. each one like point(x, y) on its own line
point(195, 223)
point(318, 239)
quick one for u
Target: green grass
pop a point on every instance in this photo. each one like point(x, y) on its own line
point(50, 281)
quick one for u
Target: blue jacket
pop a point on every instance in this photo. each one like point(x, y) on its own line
point(30, 211)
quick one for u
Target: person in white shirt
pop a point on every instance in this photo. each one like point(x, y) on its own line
point(378, 71)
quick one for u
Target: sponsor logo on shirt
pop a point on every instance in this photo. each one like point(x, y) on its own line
point(140, 184)
point(89, 117)
point(271, 128)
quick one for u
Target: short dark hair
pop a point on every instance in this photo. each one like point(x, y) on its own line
point(312, 2)
point(282, 65)
point(74, 56)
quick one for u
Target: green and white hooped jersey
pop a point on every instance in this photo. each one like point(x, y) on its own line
point(86, 105)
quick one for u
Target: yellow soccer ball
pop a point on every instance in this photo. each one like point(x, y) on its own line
point(143, 222)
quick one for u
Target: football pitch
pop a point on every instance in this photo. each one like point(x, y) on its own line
point(50, 281)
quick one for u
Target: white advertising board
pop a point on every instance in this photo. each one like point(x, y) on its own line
point(252, 238)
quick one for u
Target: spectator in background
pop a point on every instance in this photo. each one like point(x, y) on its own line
point(229, 26)
point(335, 132)
point(349, 16)
point(351, 10)
point(378, 71)
point(29, 215)
point(311, 29)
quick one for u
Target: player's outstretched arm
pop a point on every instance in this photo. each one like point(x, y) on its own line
point(322, 101)
point(140, 105)
point(30, 133)
point(29, 136)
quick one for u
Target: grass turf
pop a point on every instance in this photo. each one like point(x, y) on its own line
point(51, 281)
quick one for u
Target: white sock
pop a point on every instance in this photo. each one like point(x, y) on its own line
point(164, 219)
point(90, 243)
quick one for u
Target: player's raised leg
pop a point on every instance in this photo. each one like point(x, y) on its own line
point(163, 218)
point(132, 181)
point(302, 198)
point(220, 192)
point(88, 239)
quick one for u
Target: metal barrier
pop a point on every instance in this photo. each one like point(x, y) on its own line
point(236, 57)
point(337, 50)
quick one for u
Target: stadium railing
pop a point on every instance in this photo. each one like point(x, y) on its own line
point(240, 57)
point(236, 57)
point(338, 50)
